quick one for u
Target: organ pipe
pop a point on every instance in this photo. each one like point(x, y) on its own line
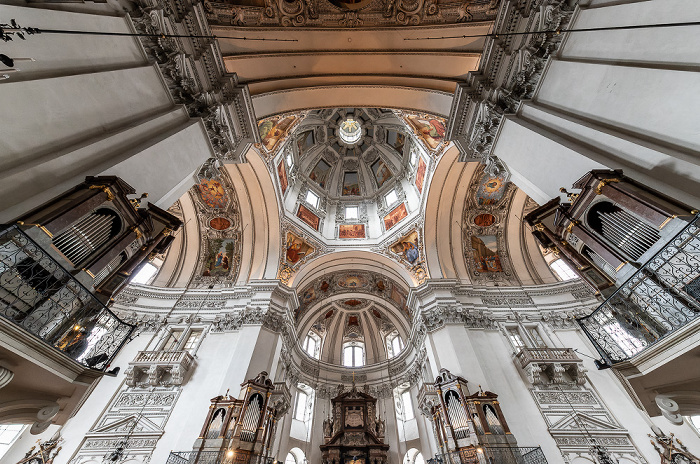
point(84, 237)
point(628, 232)
point(251, 418)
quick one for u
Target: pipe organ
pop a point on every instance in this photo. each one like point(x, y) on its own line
point(464, 423)
point(609, 228)
point(242, 430)
point(98, 234)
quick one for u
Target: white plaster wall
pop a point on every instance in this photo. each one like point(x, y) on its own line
point(615, 99)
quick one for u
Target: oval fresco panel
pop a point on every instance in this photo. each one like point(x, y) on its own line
point(219, 223)
point(484, 220)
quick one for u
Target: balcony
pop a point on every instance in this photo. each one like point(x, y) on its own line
point(492, 454)
point(154, 368)
point(55, 335)
point(649, 330)
point(559, 366)
point(41, 298)
point(427, 398)
point(660, 299)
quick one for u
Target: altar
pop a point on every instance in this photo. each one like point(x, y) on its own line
point(354, 434)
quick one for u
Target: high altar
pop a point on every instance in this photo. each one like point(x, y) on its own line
point(354, 435)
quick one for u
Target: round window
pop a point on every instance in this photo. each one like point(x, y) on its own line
point(350, 131)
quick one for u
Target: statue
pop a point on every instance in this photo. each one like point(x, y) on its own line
point(327, 428)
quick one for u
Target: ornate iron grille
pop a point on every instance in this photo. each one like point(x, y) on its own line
point(492, 455)
point(216, 457)
point(40, 296)
point(659, 299)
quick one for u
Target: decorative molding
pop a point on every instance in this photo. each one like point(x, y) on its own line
point(327, 15)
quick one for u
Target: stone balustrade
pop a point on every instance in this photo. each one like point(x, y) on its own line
point(544, 366)
point(154, 368)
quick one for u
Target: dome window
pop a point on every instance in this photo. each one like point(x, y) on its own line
point(350, 131)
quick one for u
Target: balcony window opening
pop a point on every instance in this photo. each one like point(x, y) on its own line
point(95, 335)
point(515, 338)
point(562, 270)
point(192, 341)
point(391, 198)
point(312, 199)
point(537, 338)
point(351, 212)
point(173, 340)
point(353, 355)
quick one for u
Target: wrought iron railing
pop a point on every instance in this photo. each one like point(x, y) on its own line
point(217, 457)
point(492, 455)
point(660, 298)
point(45, 300)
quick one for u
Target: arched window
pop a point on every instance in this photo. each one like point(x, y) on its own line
point(312, 345)
point(295, 456)
point(413, 456)
point(354, 354)
point(562, 270)
point(394, 344)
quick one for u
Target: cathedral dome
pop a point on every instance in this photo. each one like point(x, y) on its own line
point(352, 174)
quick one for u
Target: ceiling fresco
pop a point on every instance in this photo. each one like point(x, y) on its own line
point(354, 284)
point(346, 13)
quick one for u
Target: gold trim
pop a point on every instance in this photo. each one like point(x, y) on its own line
point(44, 229)
point(88, 273)
point(105, 189)
point(603, 183)
point(667, 220)
point(571, 225)
point(539, 226)
point(621, 265)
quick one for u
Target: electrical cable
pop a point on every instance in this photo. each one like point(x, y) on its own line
point(14, 28)
point(496, 35)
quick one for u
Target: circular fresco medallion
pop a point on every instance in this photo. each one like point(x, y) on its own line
point(219, 223)
point(484, 220)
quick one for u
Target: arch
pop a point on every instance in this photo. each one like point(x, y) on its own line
point(295, 456)
point(449, 222)
point(352, 260)
point(413, 456)
point(431, 101)
point(443, 216)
